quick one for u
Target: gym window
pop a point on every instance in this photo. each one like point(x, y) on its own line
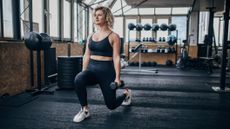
point(180, 10)
point(130, 11)
point(203, 26)
point(118, 26)
point(7, 19)
point(54, 15)
point(91, 26)
point(218, 30)
point(80, 26)
point(181, 22)
point(163, 11)
point(66, 20)
point(38, 15)
point(146, 11)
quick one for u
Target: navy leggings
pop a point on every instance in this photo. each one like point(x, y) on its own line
point(102, 73)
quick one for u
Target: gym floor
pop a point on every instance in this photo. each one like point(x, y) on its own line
point(170, 99)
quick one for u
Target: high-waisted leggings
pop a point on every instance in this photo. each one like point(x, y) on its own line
point(102, 73)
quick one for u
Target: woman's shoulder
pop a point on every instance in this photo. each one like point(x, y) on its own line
point(114, 38)
point(114, 35)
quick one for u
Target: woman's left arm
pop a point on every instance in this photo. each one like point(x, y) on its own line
point(116, 56)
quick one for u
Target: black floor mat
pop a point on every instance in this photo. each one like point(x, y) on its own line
point(17, 100)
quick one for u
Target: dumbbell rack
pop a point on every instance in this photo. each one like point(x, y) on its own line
point(138, 51)
point(154, 46)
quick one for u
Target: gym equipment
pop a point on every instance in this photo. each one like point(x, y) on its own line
point(144, 64)
point(138, 40)
point(171, 40)
point(155, 27)
point(168, 63)
point(45, 41)
point(172, 27)
point(147, 26)
point(123, 63)
point(162, 50)
point(115, 85)
point(68, 68)
point(131, 64)
point(163, 39)
point(184, 61)
point(35, 41)
point(38, 42)
point(154, 63)
point(136, 63)
point(222, 87)
point(138, 50)
point(139, 27)
point(148, 64)
point(160, 39)
point(131, 26)
point(158, 49)
point(150, 39)
point(166, 50)
point(163, 27)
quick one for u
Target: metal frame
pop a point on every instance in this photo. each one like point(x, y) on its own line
point(72, 20)
point(16, 19)
point(61, 8)
point(46, 16)
point(222, 87)
point(1, 20)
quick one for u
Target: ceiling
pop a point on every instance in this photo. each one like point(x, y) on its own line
point(199, 4)
point(160, 3)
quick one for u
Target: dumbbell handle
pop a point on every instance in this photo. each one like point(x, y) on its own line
point(115, 85)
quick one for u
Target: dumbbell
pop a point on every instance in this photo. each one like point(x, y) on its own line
point(115, 85)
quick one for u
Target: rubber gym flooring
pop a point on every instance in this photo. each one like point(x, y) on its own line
point(170, 99)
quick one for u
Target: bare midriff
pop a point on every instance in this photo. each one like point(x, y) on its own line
point(103, 58)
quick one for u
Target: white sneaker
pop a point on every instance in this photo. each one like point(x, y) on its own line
point(127, 100)
point(81, 115)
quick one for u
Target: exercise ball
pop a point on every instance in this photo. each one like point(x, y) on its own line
point(147, 26)
point(155, 27)
point(139, 27)
point(163, 27)
point(172, 27)
point(45, 41)
point(131, 26)
point(33, 41)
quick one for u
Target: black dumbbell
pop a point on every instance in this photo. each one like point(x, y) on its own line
point(115, 85)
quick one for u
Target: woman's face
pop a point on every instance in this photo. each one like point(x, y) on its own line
point(99, 17)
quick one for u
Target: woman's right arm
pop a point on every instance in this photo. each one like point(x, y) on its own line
point(86, 56)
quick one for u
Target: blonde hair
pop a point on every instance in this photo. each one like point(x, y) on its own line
point(108, 15)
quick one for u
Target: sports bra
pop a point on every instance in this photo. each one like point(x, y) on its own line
point(101, 48)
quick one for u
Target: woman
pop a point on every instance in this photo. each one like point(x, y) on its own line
point(101, 65)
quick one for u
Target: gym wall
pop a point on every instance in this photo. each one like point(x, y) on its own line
point(15, 65)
